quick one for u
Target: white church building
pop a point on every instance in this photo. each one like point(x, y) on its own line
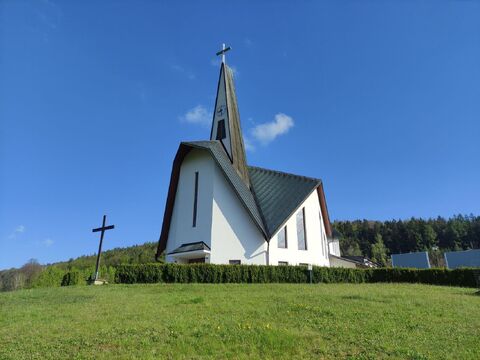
point(220, 210)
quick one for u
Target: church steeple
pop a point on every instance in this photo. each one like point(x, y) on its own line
point(226, 120)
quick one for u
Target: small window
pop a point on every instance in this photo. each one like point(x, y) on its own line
point(303, 264)
point(301, 233)
point(221, 130)
point(283, 263)
point(282, 238)
point(234, 262)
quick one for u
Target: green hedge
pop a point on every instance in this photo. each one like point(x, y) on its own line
point(208, 273)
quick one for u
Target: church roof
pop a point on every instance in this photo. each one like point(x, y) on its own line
point(195, 246)
point(279, 194)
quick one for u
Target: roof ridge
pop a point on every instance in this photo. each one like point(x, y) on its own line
point(286, 173)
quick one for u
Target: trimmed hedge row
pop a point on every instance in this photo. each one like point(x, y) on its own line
point(209, 273)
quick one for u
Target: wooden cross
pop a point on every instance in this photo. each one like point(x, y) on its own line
point(223, 51)
point(102, 229)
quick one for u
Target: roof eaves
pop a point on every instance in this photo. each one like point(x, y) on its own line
point(286, 174)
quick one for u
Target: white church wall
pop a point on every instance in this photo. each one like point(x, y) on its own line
point(234, 234)
point(181, 225)
point(317, 250)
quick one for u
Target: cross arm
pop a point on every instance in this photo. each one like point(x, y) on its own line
point(223, 51)
point(110, 227)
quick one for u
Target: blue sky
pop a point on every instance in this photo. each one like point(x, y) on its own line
point(380, 99)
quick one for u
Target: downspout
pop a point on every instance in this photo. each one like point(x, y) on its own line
point(268, 252)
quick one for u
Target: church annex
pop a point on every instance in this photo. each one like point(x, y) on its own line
point(220, 210)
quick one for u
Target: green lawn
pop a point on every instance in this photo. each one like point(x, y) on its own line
point(241, 321)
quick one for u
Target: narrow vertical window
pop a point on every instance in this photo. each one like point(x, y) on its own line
point(321, 234)
point(301, 233)
point(195, 200)
point(282, 238)
point(221, 130)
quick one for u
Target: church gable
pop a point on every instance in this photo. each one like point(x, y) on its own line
point(243, 193)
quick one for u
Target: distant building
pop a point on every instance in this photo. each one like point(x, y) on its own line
point(337, 260)
point(417, 260)
point(458, 259)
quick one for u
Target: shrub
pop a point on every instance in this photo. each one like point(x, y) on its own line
point(209, 273)
point(50, 276)
point(71, 278)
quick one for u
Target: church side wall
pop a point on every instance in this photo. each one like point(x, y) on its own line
point(234, 234)
point(317, 246)
point(181, 226)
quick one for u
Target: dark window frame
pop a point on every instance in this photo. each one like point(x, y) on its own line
point(235, 262)
point(195, 201)
point(282, 263)
point(284, 229)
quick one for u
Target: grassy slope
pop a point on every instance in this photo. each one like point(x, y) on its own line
point(241, 321)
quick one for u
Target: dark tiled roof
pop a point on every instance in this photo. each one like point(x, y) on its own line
point(279, 194)
point(200, 245)
point(232, 176)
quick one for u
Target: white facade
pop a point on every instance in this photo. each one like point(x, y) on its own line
point(316, 239)
point(181, 225)
point(223, 224)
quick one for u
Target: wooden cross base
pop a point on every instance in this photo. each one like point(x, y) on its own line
point(98, 282)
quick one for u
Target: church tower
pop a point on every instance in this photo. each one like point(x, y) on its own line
point(226, 122)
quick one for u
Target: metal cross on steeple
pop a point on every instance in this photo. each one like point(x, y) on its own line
point(223, 51)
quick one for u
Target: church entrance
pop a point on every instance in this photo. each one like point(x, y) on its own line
point(196, 260)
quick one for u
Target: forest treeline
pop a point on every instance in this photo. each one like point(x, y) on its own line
point(33, 274)
point(374, 239)
point(379, 239)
